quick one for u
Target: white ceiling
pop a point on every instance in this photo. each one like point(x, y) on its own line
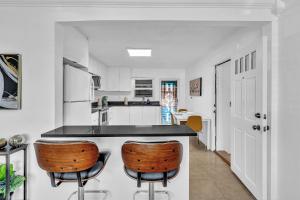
point(173, 44)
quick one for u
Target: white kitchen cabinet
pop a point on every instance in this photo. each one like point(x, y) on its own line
point(119, 115)
point(75, 46)
point(112, 79)
point(136, 115)
point(118, 79)
point(125, 79)
point(151, 115)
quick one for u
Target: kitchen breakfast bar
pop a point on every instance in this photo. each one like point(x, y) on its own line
point(110, 139)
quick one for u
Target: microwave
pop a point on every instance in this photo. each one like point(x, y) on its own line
point(97, 82)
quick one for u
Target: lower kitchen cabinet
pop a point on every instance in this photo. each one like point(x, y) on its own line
point(151, 115)
point(134, 115)
point(119, 116)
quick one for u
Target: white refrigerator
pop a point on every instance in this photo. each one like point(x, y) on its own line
point(78, 96)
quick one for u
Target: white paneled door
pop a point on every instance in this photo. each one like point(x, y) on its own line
point(248, 117)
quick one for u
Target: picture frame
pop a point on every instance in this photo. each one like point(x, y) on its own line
point(10, 81)
point(196, 87)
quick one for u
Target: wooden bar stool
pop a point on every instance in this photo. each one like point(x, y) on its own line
point(71, 161)
point(152, 162)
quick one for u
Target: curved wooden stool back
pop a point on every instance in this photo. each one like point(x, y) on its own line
point(156, 157)
point(182, 110)
point(195, 123)
point(66, 156)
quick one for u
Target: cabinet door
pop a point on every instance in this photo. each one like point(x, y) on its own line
point(112, 79)
point(76, 46)
point(120, 116)
point(150, 115)
point(136, 116)
point(125, 79)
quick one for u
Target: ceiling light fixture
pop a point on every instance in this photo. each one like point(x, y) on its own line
point(140, 52)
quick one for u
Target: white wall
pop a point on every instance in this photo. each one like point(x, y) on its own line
point(157, 74)
point(289, 102)
point(205, 68)
point(31, 32)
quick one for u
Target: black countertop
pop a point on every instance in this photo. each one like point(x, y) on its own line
point(120, 131)
point(133, 103)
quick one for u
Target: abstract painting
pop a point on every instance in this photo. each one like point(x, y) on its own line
point(196, 87)
point(10, 81)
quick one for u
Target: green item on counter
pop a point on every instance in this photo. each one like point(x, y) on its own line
point(3, 171)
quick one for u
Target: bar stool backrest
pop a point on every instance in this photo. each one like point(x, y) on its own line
point(152, 157)
point(66, 156)
point(195, 123)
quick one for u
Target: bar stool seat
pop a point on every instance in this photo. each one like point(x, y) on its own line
point(151, 176)
point(85, 174)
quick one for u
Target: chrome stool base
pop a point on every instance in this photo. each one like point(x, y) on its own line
point(151, 192)
point(81, 193)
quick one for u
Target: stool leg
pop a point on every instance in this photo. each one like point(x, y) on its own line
point(80, 193)
point(151, 191)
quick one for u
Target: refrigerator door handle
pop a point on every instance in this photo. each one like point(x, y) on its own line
point(92, 96)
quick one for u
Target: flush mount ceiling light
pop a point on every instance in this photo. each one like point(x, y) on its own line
point(139, 52)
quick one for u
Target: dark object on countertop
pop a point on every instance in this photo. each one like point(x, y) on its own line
point(83, 163)
point(134, 103)
point(104, 101)
point(16, 140)
point(121, 131)
point(3, 143)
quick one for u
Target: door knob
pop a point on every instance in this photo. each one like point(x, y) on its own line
point(256, 127)
point(257, 115)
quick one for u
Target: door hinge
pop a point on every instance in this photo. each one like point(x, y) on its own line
point(266, 128)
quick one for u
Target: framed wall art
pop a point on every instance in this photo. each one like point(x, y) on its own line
point(10, 81)
point(196, 87)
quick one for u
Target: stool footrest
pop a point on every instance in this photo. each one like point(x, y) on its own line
point(105, 192)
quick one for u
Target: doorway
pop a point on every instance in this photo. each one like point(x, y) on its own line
point(223, 104)
point(169, 100)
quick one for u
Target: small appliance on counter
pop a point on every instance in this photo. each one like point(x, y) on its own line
point(104, 101)
point(125, 101)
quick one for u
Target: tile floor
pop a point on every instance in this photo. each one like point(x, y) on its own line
point(211, 178)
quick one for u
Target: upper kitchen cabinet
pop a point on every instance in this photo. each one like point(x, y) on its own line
point(76, 46)
point(118, 79)
point(125, 79)
point(98, 68)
